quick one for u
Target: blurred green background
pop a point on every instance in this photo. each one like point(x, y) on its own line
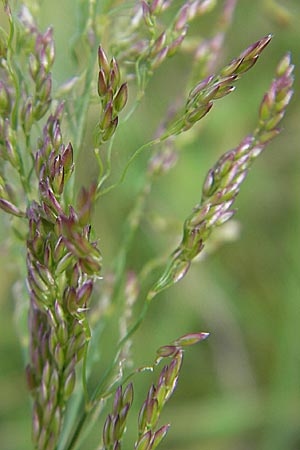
point(240, 389)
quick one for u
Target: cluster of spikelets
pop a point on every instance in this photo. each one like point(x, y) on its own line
point(63, 262)
point(149, 435)
point(19, 109)
point(144, 41)
point(223, 181)
point(113, 95)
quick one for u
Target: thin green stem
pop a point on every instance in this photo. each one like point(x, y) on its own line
point(134, 107)
point(84, 102)
point(100, 162)
point(73, 441)
point(128, 164)
point(84, 373)
point(103, 177)
point(14, 115)
point(23, 177)
point(97, 392)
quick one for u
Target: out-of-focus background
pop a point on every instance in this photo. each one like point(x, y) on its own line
point(240, 389)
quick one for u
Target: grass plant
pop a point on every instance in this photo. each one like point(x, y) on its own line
point(84, 310)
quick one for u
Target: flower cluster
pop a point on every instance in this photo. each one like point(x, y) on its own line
point(143, 41)
point(62, 264)
point(115, 423)
point(223, 181)
point(113, 95)
point(19, 109)
point(201, 98)
point(149, 437)
point(40, 64)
